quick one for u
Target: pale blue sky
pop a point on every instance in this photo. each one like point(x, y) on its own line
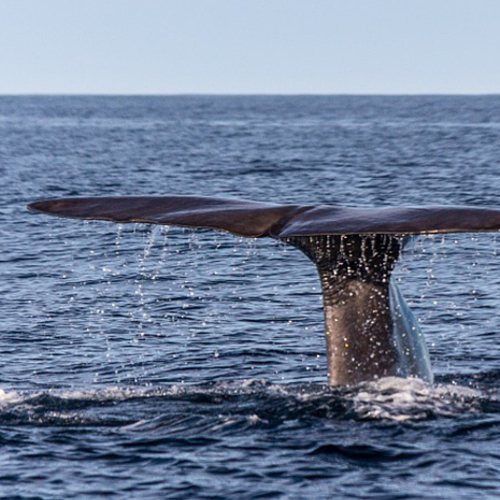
point(249, 46)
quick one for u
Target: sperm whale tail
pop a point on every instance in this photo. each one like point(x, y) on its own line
point(370, 331)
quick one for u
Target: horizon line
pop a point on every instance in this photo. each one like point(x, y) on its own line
point(246, 94)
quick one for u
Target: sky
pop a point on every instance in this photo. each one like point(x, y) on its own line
point(249, 46)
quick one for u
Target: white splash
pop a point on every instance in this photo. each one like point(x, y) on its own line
point(8, 397)
point(401, 399)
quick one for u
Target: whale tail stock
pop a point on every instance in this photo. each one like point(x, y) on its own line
point(370, 331)
point(355, 272)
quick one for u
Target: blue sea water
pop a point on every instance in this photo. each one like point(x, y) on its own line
point(152, 362)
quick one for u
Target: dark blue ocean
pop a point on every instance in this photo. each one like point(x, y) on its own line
point(145, 362)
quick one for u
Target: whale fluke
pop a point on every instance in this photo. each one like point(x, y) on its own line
point(241, 217)
point(370, 331)
point(256, 219)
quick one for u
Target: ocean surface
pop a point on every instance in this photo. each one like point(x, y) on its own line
point(145, 362)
